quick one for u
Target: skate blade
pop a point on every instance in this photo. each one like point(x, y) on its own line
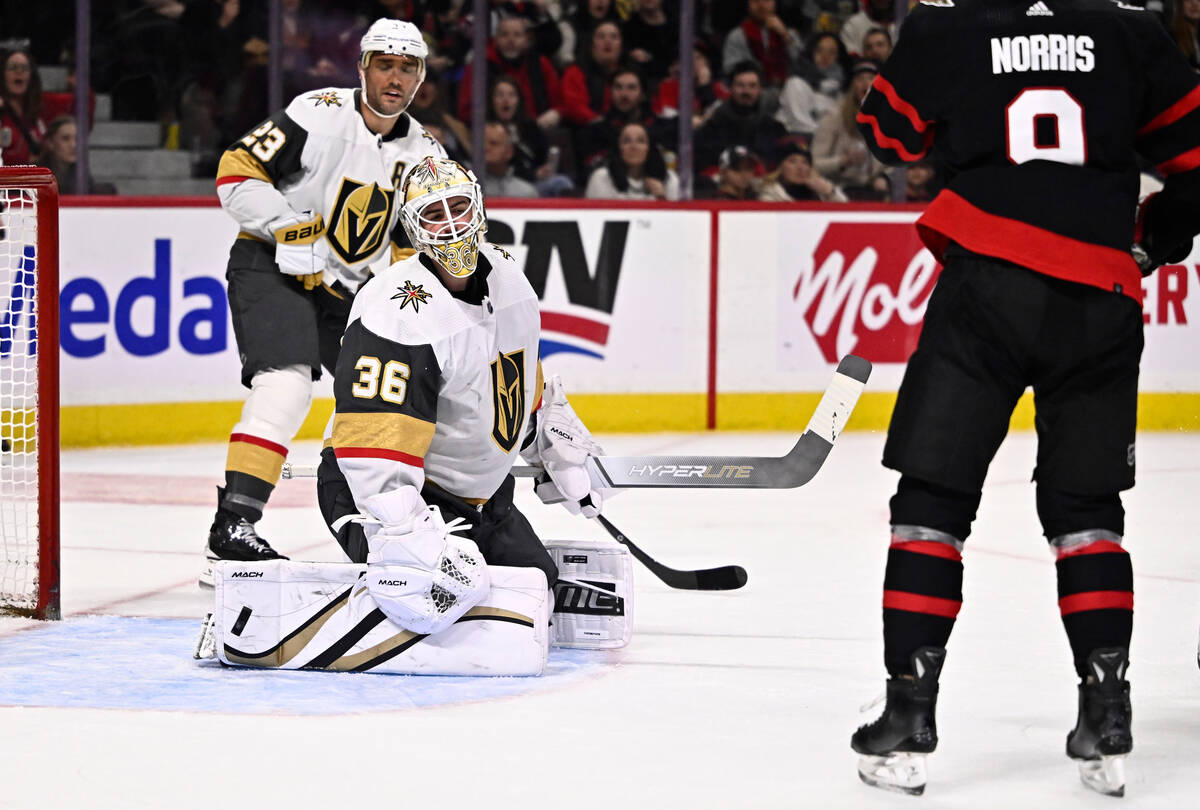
point(899, 772)
point(1105, 775)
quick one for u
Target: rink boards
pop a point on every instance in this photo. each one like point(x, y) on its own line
point(671, 317)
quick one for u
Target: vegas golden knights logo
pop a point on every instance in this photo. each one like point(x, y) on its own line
point(508, 398)
point(360, 219)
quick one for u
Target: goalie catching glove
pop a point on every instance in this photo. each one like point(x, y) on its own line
point(422, 576)
point(300, 247)
point(561, 447)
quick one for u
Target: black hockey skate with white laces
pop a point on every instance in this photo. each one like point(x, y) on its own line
point(232, 537)
point(1102, 735)
point(893, 748)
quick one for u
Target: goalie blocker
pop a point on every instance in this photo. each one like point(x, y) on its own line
point(283, 614)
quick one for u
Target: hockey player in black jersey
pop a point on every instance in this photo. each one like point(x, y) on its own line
point(1035, 112)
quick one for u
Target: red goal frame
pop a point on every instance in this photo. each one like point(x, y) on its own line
point(43, 185)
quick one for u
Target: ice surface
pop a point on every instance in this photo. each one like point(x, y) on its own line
point(722, 700)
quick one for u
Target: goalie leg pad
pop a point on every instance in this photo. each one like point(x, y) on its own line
point(593, 598)
point(283, 614)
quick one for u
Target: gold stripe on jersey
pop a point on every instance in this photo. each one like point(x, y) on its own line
point(537, 388)
point(240, 163)
point(255, 460)
point(383, 431)
point(290, 647)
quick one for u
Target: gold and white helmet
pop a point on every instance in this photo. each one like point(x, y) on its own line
point(442, 213)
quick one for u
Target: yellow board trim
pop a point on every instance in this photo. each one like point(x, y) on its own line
point(186, 422)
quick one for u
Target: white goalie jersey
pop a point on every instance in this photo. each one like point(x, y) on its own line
point(436, 385)
point(318, 155)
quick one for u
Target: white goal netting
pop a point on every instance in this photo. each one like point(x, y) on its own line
point(19, 503)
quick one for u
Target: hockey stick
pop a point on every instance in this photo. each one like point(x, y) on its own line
point(748, 472)
point(724, 578)
point(725, 472)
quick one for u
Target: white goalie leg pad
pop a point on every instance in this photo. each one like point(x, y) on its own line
point(283, 614)
point(593, 598)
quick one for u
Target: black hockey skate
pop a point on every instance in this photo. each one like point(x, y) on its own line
point(232, 537)
point(893, 748)
point(1102, 735)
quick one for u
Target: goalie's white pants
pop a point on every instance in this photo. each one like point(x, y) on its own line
point(301, 615)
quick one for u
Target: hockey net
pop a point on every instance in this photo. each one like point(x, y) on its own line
point(29, 581)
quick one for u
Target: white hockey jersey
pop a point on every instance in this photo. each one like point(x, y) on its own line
point(434, 385)
point(318, 155)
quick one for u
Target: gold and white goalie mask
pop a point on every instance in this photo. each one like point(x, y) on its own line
point(443, 214)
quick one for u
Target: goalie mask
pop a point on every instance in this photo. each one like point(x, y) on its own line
point(443, 214)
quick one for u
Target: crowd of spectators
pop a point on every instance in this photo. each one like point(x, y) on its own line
point(583, 96)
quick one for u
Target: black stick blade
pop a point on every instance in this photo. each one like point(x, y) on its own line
point(724, 578)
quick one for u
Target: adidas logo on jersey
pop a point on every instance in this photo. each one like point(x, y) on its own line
point(1039, 9)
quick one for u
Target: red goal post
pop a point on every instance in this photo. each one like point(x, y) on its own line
point(29, 476)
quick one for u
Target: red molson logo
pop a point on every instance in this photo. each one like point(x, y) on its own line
point(866, 290)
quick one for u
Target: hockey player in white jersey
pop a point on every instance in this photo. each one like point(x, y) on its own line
point(438, 389)
point(313, 190)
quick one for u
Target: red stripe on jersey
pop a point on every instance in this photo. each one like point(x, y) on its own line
point(930, 547)
point(1096, 600)
point(1183, 163)
point(572, 325)
point(1097, 547)
point(951, 217)
point(232, 178)
point(376, 452)
point(917, 603)
point(269, 445)
point(888, 142)
point(900, 105)
point(1173, 113)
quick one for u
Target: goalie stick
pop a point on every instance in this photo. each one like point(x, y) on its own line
point(725, 472)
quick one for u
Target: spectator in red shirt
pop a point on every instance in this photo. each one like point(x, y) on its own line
point(707, 91)
point(510, 54)
point(585, 84)
point(21, 126)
